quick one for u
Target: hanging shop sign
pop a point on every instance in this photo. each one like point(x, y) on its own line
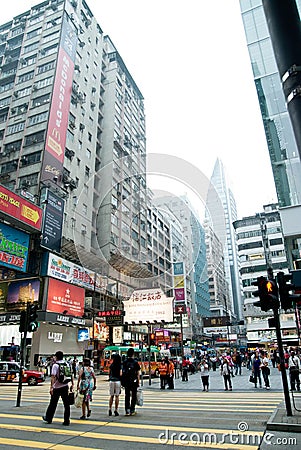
point(14, 246)
point(18, 208)
point(148, 305)
point(53, 222)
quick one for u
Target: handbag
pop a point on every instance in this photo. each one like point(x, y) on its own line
point(139, 400)
point(78, 400)
point(71, 398)
point(252, 379)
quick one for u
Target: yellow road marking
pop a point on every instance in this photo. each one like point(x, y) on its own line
point(137, 426)
point(43, 445)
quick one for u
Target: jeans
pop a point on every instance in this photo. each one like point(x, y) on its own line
point(227, 381)
point(184, 374)
point(130, 397)
point(265, 375)
point(57, 393)
point(257, 375)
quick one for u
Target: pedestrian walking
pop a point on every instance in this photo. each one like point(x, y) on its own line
point(61, 376)
point(273, 358)
point(115, 383)
point(74, 367)
point(265, 370)
point(294, 371)
point(185, 368)
point(86, 384)
point(130, 381)
point(163, 373)
point(256, 369)
point(226, 373)
point(238, 363)
point(204, 369)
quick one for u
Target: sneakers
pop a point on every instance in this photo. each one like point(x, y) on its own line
point(110, 412)
point(268, 387)
point(133, 413)
point(45, 420)
point(116, 413)
point(127, 413)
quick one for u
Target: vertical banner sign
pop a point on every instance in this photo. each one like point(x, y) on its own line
point(53, 222)
point(59, 111)
point(179, 282)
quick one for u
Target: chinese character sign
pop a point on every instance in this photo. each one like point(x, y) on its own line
point(148, 305)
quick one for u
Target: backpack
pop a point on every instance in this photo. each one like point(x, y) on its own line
point(65, 374)
point(129, 374)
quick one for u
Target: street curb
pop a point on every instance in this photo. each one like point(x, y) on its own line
point(288, 426)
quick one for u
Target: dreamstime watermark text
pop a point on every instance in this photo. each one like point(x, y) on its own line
point(241, 436)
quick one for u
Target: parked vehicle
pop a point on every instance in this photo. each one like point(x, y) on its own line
point(10, 370)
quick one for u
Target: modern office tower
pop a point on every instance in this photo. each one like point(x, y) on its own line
point(218, 286)
point(278, 129)
point(261, 245)
point(197, 298)
point(222, 215)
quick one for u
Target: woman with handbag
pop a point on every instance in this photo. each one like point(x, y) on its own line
point(265, 370)
point(86, 384)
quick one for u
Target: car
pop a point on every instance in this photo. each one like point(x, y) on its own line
point(9, 372)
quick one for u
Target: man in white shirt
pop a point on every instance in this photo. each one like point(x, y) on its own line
point(294, 370)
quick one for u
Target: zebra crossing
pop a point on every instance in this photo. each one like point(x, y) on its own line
point(220, 420)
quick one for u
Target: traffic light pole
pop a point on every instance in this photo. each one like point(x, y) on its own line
point(22, 354)
point(282, 365)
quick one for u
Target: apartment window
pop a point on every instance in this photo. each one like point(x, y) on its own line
point(88, 153)
point(41, 100)
point(83, 229)
point(90, 137)
point(28, 180)
point(85, 209)
point(23, 92)
point(43, 83)
point(32, 158)
point(73, 222)
point(36, 19)
point(34, 33)
point(5, 101)
point(45, 67)
point(50, 37)
point(31, 47)
point(49, 51)
point(6, 87)
point(13, 146)
point(26, 76)
point(34, 138)
point(78, 162)
point(87, 171)
point(3, 117)
point(38, 118)
point(15, 128)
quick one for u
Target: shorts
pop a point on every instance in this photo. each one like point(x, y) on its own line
point(115, 388)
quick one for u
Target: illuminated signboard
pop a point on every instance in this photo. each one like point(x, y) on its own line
point(21, 292)
point(65, 298)
point(17, 207)
point(13, 248)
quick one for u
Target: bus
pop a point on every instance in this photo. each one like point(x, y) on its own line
point(141, 355)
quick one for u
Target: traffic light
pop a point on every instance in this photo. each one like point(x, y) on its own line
point(32, 324)
point(267, 293)
point(286, 299)
point(152, 339)
point(23, 322)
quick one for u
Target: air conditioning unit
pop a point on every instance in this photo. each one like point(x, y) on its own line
point(81, 44)
point(34, 87)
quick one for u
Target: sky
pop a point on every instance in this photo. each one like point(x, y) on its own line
point(191, 64)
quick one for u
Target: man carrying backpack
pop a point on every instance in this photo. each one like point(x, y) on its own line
point(61, 376)
point(130, 381)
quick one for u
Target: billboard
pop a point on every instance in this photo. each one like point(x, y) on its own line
point(148, 305)
point(53, 222)
point(65, 298)
point(14, 245)
point(179, 282)
point(21, 292)
point(17, 207)
point(70, 272)
point(59, 111)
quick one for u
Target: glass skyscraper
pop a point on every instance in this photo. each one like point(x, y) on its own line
point(278, 129)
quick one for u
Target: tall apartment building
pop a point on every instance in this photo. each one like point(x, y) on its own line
point(221, 218)
point(218, 286)
point(198, 299)
point(261, 245)
point(72, 139)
